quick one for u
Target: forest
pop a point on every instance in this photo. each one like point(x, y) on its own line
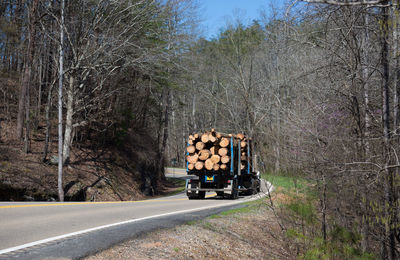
point(316, 85)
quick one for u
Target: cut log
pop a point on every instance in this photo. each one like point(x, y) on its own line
point(224, 142)
point(223, 151)
point(212, 138)
point(240, 136)
point(243, 154)
point(209, 164)
point(204, 138)
point(216, 167)
point(193, 158)
point(218, 135)
point(200, 146)
point(191, 137)
point(223, 166)
point(243, 158)
point(190, 142)
point(215, 158)
point(204, 154)
point(225, 159)
point(190, 166)
point(199, 165)
point(196, 136)
point(214, 150)
point(191, 149)
point(243, 144)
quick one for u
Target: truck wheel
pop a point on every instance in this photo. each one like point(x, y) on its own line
point(251, 192)
point(235, 191)
point(192, 197)
point(202, 195)
point(235, 194)
point(220, 193)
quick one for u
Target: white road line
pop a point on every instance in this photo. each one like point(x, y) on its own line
point(43, 241)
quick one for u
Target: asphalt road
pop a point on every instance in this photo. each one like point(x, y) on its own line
point(176, 173)
point(32, 230)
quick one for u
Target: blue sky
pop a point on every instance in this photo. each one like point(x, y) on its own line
point(216, 13)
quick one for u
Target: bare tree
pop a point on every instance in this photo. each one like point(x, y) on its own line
point(24, 97)
point(60, 114)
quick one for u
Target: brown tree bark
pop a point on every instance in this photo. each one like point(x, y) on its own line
point(26, 79)
point(389, 250)
point(164, 137)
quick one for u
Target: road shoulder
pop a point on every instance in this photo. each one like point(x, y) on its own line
point(250, 232)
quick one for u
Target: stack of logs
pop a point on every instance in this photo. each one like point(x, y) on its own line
point(212, 151)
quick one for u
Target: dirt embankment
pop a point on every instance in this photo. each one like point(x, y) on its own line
point(95, 173)
point(249, 233)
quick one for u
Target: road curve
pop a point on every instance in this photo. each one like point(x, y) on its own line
point(37, 230)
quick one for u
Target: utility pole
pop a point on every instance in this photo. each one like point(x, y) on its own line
point(60, 94)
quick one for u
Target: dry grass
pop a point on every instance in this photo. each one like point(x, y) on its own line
point(254, 234)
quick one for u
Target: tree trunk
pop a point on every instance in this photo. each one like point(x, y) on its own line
point(48, 125)
point(60, 117)
point(396, 101)
point(39, 100)
point(27, 141)
point(388, 180)
point(367, 125)
point(323, 207)
point(164, 137)
point(194, 111)
point(26, 80)
point(69, 120)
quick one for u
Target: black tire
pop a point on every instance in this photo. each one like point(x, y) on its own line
point(202, 195)
point(220, 193)
point(251, 192)
point(235, 191)
point(248, 192)
point(192, 197)
point(258, 185)
point(252, 189)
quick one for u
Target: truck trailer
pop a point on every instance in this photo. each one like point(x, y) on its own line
point(221, 163)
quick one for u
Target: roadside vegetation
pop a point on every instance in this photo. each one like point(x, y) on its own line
point(296, 203)
point(173, 186)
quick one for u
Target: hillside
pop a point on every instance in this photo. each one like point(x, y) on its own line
point(116, 171)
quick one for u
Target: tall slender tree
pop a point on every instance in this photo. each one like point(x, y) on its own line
point(60, 113)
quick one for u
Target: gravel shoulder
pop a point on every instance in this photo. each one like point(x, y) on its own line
point(251, 232)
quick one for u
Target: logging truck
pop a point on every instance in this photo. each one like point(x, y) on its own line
point(221, 163)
